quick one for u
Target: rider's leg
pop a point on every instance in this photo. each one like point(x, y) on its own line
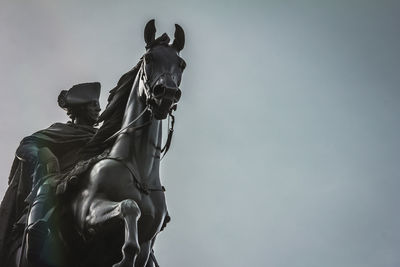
point(38, 227)
point(102, 211)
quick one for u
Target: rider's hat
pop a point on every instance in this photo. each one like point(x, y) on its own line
point(79, 94)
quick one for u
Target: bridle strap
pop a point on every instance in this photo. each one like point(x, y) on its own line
point(171, 121)
point(149, 99)
point(171, 118)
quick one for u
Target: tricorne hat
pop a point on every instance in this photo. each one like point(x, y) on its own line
point(79, 94)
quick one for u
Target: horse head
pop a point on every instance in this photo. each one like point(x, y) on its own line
point(161, 70)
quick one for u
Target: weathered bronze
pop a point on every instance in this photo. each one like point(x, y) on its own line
point(111, 206)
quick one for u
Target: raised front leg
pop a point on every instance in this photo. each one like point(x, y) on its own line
point(101, 211)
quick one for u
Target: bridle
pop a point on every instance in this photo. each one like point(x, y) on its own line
point(150, 102)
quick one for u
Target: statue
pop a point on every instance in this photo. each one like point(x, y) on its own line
point(110, 206)
point(52, 149)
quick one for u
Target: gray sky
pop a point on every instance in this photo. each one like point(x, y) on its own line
point(286, 145)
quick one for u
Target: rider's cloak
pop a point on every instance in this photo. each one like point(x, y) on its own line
point(65, 141)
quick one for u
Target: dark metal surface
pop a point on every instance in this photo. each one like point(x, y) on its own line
point(108, 209)
point(40, 159)
point(115, 201)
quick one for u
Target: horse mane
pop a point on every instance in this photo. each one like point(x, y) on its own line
point(112, 116)
point(115, 109)
point(162, 40)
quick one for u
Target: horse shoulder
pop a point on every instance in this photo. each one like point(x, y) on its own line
point(107, 173)
point(105, 170)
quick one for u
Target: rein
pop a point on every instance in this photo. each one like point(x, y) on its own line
point(147, 108)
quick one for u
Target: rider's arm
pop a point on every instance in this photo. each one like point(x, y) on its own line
point(28, 152)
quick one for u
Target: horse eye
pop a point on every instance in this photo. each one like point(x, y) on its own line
point(182, 64)
point(148, 58)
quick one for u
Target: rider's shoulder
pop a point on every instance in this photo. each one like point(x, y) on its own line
point(60, 125)
point(53, 126)
point(33, 138)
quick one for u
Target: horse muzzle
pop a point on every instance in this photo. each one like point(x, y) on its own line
point(165, 94)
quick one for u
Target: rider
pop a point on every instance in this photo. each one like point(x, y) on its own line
point(42, 155)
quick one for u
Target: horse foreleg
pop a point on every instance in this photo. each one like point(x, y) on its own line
point(101, 211)
point(144, 254)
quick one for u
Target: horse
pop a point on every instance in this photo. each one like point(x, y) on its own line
point(118, 206)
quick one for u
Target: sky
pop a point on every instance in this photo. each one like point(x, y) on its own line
point(286, 144)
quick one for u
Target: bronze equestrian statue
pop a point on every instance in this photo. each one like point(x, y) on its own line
point(111, 206)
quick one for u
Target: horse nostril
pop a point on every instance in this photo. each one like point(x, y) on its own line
point(178, 95)
point(159, 91)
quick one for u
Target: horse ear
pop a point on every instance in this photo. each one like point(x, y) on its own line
point(179, 41)
point(149, 32)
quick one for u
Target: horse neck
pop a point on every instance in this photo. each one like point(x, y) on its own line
point(142, 148)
